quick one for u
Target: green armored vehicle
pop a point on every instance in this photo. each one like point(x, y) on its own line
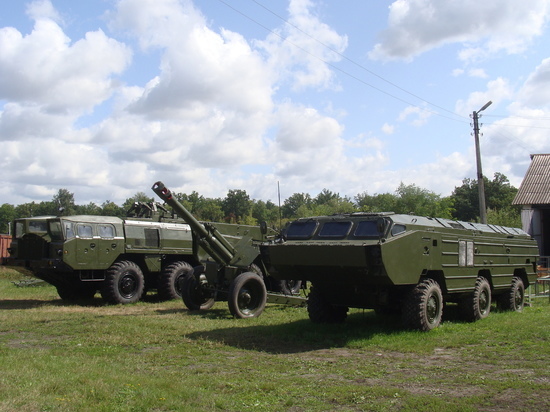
point(403, 263)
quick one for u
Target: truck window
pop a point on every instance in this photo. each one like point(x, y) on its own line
point(335, 229)
point(55, 230)
point(19, 229)
point(37, 226)
point(69, 231)
point(301, 230)
point(84, 231)
point(367, 229)
point(106, 231)
point(397, 229)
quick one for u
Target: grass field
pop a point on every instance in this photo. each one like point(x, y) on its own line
point(157, 356)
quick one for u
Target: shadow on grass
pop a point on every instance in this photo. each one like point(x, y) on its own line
point(301, 335)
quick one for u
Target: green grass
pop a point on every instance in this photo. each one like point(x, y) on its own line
point(157, 356)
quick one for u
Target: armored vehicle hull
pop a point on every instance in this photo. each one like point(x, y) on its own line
point(403, 263)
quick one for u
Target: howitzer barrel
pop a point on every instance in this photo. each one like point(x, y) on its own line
point(208, 236)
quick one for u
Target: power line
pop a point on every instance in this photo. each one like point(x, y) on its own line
point(351, 61)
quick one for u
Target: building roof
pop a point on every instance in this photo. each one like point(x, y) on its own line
point(535, 188)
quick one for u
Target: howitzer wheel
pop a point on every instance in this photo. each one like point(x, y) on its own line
point(476, 305)
point(194, 295)
point(124, 283)
point(169, 282)
point(247, 296)
point(514, 298)
point(321, 311)
point(423, 308)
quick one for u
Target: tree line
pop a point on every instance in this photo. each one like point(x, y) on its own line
point(237, 207)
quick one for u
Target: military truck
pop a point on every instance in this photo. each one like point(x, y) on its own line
point(231, 269)
point(79, 255)
point(403, 263)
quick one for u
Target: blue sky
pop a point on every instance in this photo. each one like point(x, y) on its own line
point(105, 97)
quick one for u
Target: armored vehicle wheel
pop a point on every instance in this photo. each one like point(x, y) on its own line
point(423, 307)
point(194, 295)
point(168, 287)
point(514, 298)
point(247, 296)
point(123, 283)
point(75, 292)
point(321, 311)
point(476, 305)
point(287, 287)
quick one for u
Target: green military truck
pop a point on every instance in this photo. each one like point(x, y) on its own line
point(121, 258)
point(403, 263)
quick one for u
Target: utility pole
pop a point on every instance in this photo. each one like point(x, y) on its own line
point(480, 181)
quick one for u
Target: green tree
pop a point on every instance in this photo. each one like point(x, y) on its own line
point(64, 200)
point(89, 209)
point(499, 195)
point(109, 208)
point(236, 205)
point(7, 214)
point(293, 203)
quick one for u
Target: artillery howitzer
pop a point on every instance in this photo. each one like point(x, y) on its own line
point(404, 264)
point(231, 269)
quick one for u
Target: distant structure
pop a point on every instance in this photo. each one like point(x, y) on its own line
point(534, 196)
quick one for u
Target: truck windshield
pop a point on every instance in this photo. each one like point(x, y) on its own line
point(55, 230)
point(335, 229)
point(301, 229)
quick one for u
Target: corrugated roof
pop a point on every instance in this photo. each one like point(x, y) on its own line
point(535, 188)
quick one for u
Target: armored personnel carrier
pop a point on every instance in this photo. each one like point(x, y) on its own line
point(403, 263)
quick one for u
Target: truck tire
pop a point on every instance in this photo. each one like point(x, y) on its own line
point(423, 307)
point(124, 283)
point(194, 295)
point(247, 296)
point(72, 293)
point(476, 305)
point(514, 298)
point(168, 287)
point(321, 311)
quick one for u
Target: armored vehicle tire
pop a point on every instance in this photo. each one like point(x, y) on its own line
point(423, 307)
point(321, 311)
point(124, 283)
point(247, 295)
point(75, 292)
point(168, 287)
point(194, 296)
point(287, 287)
point(514, 298)
point(476, 305)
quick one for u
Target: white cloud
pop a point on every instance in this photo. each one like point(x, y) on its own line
point(303, 50)
point(488, 27)
point(536, 90)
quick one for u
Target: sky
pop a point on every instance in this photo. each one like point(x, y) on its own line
point(106, 97)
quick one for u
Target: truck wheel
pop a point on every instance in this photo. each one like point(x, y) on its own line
point(123, 283)
point(321, 311)
point(476, 305)
point(168, 287)
point(423, 308)
point(514, 298)
point(194, 295)
point(247, 296)
point(75, 292)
